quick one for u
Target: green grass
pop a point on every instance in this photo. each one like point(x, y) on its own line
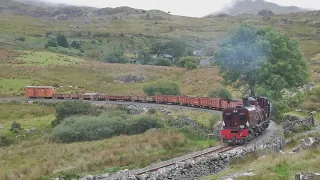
point(28, 115)
point(46, 59)
point(13, 86)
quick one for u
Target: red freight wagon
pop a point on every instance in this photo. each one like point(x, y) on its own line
point(40, 91)
point(223, 104)
point(190, 101)
point(204, 102)
point(166, 99)
point(184, 100)
point(214, 103)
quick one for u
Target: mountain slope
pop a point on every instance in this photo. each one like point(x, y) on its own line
point(67, 12)
point(253, 7)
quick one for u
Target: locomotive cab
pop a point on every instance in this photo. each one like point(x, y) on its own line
point(242, 123)
point(235, 124)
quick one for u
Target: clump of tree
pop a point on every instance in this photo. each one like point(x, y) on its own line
point(271, 64)
point(165, 88)
point(188, 62)
point(62, 41)
point(72, 108)
point(163, 62)
point(52, 43)
point(22, 39)
point(76, 45)
point(176, 48)
point(116, 57)
point(220, 92)
point(88, 128)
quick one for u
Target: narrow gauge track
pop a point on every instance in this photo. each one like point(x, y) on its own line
point(196, 155)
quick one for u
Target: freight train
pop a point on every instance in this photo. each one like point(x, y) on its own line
point(242, 120)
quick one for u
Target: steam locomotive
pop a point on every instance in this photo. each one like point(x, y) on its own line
point(242, 123)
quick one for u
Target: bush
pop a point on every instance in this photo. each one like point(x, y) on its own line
point(86, 128)
point(190, 65)
point(15, 127)
point(5, 141)
point(165, 88)
point(183, 61)
point(220, 92)
point(52, 43)
point(22, 39)
point(163, 62)
point(62, 41)
point(116, 57)
point(71, 108)
point(75, 45)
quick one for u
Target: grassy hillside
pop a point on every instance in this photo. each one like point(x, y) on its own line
point(33, 155)
point(78, 75)
point(99, 38)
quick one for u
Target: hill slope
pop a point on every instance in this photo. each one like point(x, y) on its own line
point(253, 7)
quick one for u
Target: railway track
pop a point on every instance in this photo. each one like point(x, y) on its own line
point(172, 162)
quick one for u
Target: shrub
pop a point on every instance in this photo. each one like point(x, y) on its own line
point(190, 65)
point(163, 62)
point(165, 88)
point(116, 57)
point(71, 108)
point(86, 128)
point(5, 141)
point(52, 43)
point(75, 45)
point(22, 39)
point(220, 92)
point(48, 34)
point(62, 41)
point(15, 127)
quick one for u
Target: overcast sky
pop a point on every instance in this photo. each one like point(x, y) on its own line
point(195, 8)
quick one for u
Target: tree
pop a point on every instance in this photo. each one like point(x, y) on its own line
point(265, 60)
point(220, 92)
point(144, 56)
point(252, 57)
point(176, 48)
point(163, 62)
point(116, 57)
point(62, 41)
point(76, 45)
point(52, 43)
point(163, 87)
point(188, 62)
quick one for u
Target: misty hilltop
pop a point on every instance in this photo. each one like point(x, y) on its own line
point(39, 9)
point(254, 6)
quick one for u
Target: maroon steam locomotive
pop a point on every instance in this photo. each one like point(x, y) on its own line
point(243, 123)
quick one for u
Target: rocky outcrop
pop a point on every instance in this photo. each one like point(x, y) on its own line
point(308, 143)
point(131, 79)
point(266, 13)
point(290, 123)
point(307, 176)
